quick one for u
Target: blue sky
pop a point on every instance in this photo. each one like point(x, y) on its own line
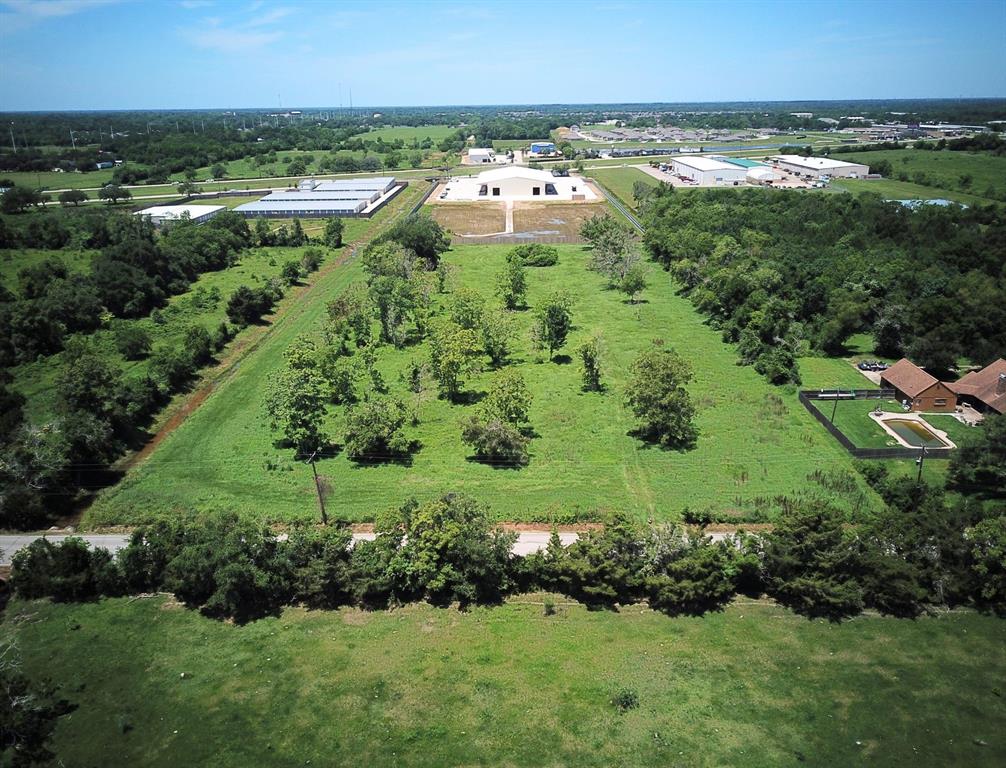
point(123, 54)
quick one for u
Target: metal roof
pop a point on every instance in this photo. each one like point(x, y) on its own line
point(363, 185)
point(743, 162)
point(294, 206)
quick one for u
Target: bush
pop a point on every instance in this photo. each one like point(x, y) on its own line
point(70, 571)
point(625, 699)
point(132, 341)
point(374, 430)
point(534, 255)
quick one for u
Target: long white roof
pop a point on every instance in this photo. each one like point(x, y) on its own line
point(706, 164)
point(815, 163)
point(177, 211)
point(515, 172)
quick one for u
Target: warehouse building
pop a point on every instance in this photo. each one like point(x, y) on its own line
point(322, 199)
point(708, 171)
point(813, 167)
point(517, 183)
point(161, 215)
point(481, 156)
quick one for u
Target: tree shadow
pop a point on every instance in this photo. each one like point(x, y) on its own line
point(651, 441)
point(635, 303)
point(562, 359)
point(497, 463)
point(467, 398)
point(403, 459)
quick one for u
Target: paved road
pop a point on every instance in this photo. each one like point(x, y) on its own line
point(527, 541)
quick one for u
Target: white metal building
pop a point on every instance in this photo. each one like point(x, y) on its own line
point(160, 215)
point(481, 156)
point(516, 182)
point(812, 167)
point(708, 172)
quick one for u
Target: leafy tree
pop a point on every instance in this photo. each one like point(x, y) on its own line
point(20, 199)
point(495, 441)
point(498, 330)
point(553, 322)
point(889, 333)
point(420, 234)
point(263, 233)
point(319, 561)
point(988, 562)
point(349, 318)
point(333, 233)
point(657, 395)
point(291, 272)
point(613, 250)
point(295, 400)
point(466, 308)
point(446, 551)
point(511, 284)
point(113, 193)
point(374, 430)
point(633, 282)
point(453, 355)
point(978, 466)
point(36, 279)
point(198, 346)
point(72, 197)
point(247, 305)
point(810, 563)
point(218, 171)
point(311, 260)
point(508, 398)
point(590, 356)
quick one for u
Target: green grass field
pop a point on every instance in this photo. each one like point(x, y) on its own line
point(754, 685)
point(756, 442)
point(619, 181)
point(51, 180)
point(945, 170)
point(407, 133)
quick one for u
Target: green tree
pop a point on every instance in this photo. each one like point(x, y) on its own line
point(466, 308)
point(113, 193)
point(633, 282)
point(263, 233)
point(218, 171)
point(333, 233)
point(511, 284)
point(657, 395)
point(590, 356)
point(420, 234)
point(454, 353)
point(19, 199)
point(295, 401)
point(810, 563)
point(553, 322)
point(374, 430)
point(498, 330)
point(292, 272)
point(988, 562)
point(978, 466)
point(72, 197)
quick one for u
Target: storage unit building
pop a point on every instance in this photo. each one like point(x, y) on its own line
point(812, 167)
point(707, 171)
point(161, 215)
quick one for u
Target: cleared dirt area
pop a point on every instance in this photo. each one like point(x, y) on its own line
point(467, 219)
point(554, 219)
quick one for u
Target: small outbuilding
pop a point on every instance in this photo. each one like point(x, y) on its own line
point(921, 390)
point(515, 182)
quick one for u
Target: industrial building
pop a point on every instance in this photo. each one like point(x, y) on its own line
point(542, 149)
point(321, 199)
point(481, 156)
point(160, 215)
point(813, 167)
point(708, 171)
point(517, 183)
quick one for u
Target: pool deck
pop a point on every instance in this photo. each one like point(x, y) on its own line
point(882, 418)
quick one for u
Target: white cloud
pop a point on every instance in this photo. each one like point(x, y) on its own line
point(21, 14)
point(269, 18)
point(225, 40)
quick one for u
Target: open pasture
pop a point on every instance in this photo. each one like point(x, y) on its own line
point(754, 685)
point(756, 443)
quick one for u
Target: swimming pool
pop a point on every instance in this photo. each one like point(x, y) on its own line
point(915, 433)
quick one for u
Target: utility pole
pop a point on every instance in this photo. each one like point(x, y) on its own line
point(12, 142)
point(73, 141)
point(834, 408)
point(317, 486)
point(920, 461)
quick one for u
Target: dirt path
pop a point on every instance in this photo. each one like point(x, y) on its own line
point(292, 305)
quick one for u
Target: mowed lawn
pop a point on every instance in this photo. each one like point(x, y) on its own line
point(756, 442)
point(408, 133)
point(754, 685)
point(852, 417)
point(620, 181)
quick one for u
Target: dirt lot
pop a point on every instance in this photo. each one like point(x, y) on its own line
point(466, 219)
point(555, 219)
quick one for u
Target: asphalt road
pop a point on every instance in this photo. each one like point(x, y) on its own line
point(527, 541)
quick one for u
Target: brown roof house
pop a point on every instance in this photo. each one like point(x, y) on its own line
point(985, 390)
point(923, 391)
